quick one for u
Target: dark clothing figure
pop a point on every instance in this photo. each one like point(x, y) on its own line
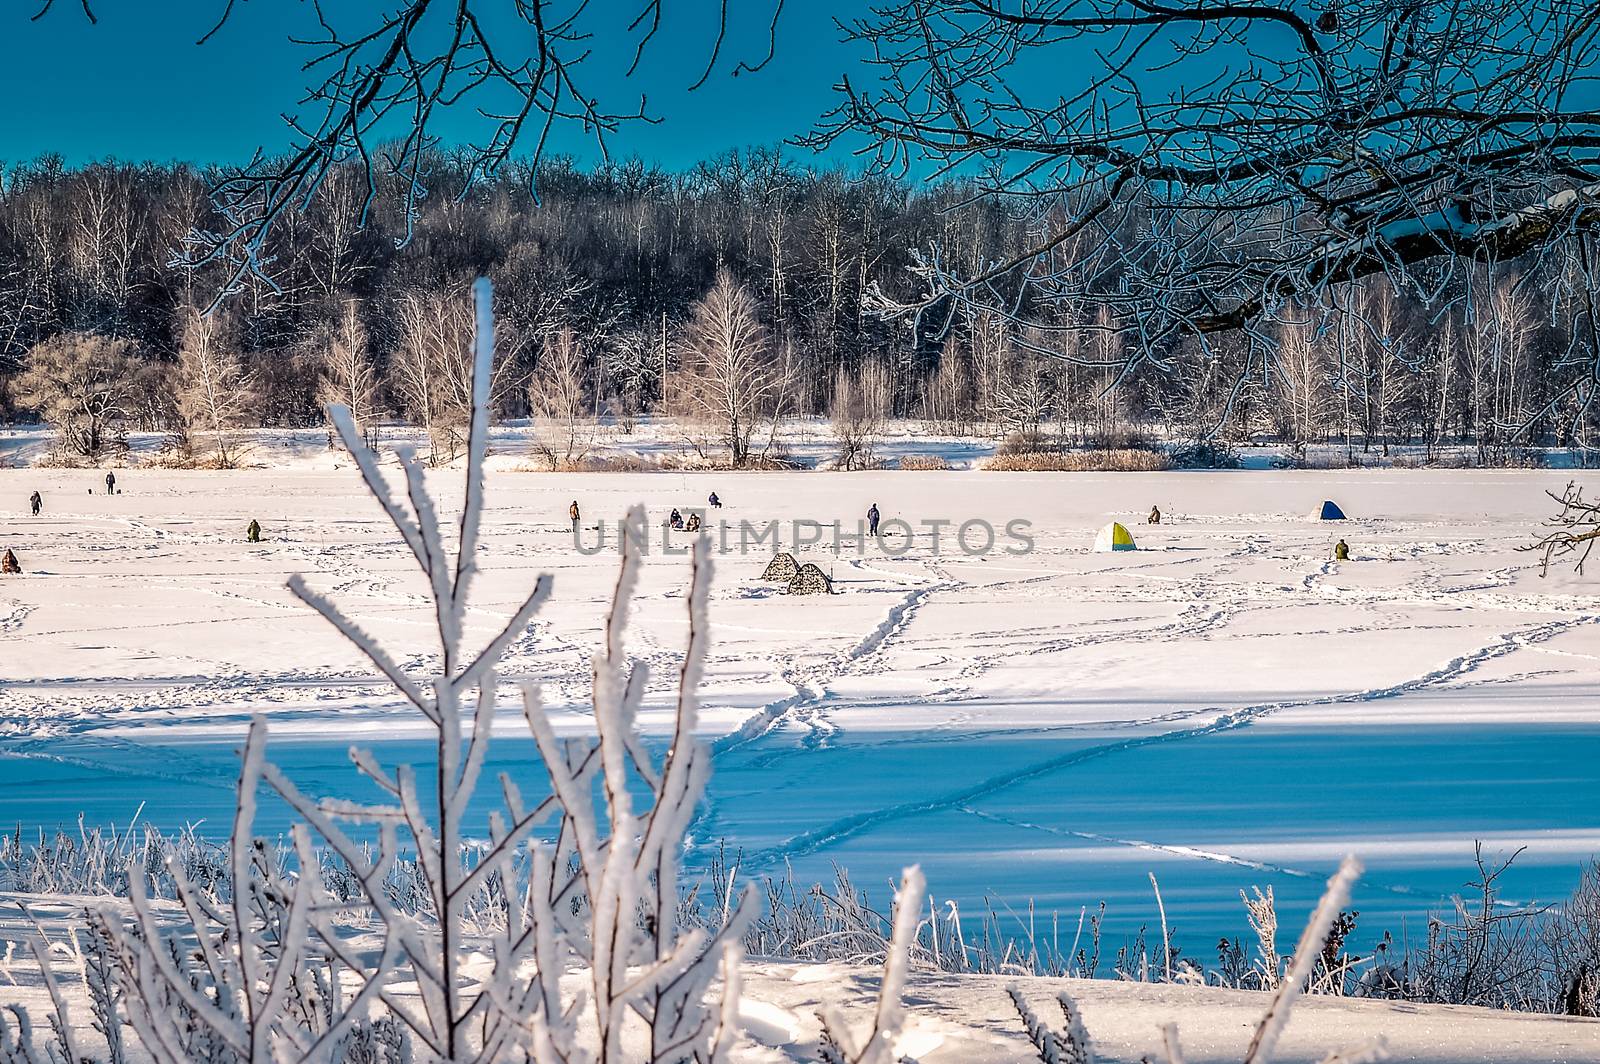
point(716, 503)
point(694, 523)
point(36, 503)
point(1341, 551)
point(572, 511)
point(8, 563)
point(111, 483)
point(872, 519)
point(1155, 516)
point(252, 534)
point(676, 520)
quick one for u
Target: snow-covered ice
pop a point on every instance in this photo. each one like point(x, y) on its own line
point(1225, 706)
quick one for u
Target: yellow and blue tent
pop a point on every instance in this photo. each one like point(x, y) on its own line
point(1114, 537)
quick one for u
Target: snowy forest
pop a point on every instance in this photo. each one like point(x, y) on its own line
point(750, 277)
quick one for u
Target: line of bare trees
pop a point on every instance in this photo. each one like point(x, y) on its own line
point(727, 297)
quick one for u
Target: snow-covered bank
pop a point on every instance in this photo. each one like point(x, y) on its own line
point(953, 1019)
point(971, 1019)
point(648, 442)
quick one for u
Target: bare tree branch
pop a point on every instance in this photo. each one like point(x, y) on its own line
point(1225, 162)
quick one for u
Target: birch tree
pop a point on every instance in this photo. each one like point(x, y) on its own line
point(216, 393)
point(561, 395)
point(861, 401)
point(349, 374)
point(726, 380)
point(1300, 387)
point(429, 370)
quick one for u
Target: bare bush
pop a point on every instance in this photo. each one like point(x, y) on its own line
point(82, 384)
point(923, 462)
point(1114, 461)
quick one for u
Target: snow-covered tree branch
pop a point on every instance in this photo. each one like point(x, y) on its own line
point(1218, 162)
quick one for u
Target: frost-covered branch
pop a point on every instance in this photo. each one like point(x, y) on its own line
point(1575, 529)
point(380, 81)
point(876, 1045)
point(1215, 165)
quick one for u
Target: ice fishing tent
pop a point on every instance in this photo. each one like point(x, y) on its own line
point(1330, 512)
point(1114, 537)
point(781, 568)
point(809, 579)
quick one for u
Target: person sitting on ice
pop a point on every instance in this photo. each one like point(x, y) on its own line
point(1341, 551)
point(36, 502)
point(676, 520)
point(716, 503)
point(1155, 516)
point(694, 523)
point(8, 563)
point(252, 533)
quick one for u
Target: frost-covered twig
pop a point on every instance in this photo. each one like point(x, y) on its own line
point(877, 1045)
point(1293, 984)
point(1305, 959)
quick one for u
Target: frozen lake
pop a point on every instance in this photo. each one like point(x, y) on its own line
point(1064, 822)
point(1225, 707)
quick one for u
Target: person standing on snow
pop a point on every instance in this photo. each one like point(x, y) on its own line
point(111, 483)
point(252, 534)
point(572, 512)
point(36, 503)
point(872, 519)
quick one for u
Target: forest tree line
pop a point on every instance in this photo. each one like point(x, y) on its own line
point(727, 296)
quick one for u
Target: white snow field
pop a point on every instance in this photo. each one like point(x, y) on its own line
point(1225, 706)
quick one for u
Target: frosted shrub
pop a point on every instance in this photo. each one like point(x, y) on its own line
point(101, 860)
point(1296, 980)
point(1117, 460)
point(1263, 915)
point(924, 462)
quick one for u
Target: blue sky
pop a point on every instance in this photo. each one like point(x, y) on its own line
point(137, 86)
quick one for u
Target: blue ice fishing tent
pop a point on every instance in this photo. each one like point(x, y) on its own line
point(1330, 512)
